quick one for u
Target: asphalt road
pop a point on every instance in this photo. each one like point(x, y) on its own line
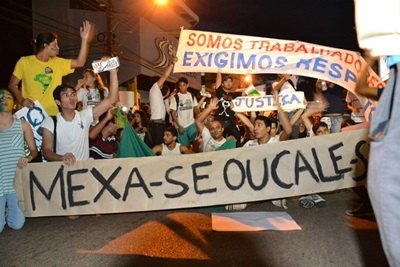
point(185, 238)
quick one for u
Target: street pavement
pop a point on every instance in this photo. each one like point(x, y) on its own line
point(185, 238)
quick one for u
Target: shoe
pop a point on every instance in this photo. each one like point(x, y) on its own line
point(318, 200)
point(232, 207)
point(281, 203)
point(361, 211)
point(306, 202)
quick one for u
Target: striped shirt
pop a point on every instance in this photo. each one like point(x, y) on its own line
point(11, 150)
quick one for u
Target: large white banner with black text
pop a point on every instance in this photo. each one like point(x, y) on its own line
point(290, 168)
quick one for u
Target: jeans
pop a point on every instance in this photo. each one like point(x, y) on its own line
point(157, 132)
point(383, 172)
point(10, 213)
point(336, 122)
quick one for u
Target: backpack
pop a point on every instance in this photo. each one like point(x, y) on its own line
point(54, 132)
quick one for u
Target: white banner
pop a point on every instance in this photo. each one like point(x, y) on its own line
point(200, 51)
point(288, 102)
point(278, 170)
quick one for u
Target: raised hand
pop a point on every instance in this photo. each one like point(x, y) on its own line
point(87, 31)
point(213, 105)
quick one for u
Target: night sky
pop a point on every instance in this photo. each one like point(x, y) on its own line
point(323, 22)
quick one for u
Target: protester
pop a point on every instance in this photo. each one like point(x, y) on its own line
point(157, 106)
point(318, 105)
point(90, 90)
point(262, 134)
point(225, 94)
point(41, 73)
point(262, 128)
point(383, 179)
point(183, 109)
point(102, 141)
point(170, 146)
point(212, 137)
point(13, 133)
point(334, 94)
point(287, 84)
point(69, 140)
point(140, 124)
point(364, 209)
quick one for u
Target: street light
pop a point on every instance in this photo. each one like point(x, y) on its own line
point(161, 2)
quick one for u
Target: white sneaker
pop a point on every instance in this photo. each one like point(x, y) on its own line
point(281, 203)
point(232, 207)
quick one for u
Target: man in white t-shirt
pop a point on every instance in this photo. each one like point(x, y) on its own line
point(286, 84)
point(183, 113)
point(212, 134)
point(262, 130)
point(72, 127)
point(262, 127)
point(157, 105)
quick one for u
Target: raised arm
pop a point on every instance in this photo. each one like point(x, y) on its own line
point(245, 121)
point(108, 102)
point(218, 80)
point(277, 85)
point(296, 116)
point(87, 32)
point(201, 101)
point(96, 130)
point(283, 119)
point(166, 73)
point(213, 105)
point(319, 104)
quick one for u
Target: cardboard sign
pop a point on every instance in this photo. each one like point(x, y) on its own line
point(288, 102)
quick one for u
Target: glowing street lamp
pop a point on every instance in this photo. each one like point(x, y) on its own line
point(161, 2)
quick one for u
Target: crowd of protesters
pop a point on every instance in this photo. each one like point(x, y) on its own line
point(84, 122)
